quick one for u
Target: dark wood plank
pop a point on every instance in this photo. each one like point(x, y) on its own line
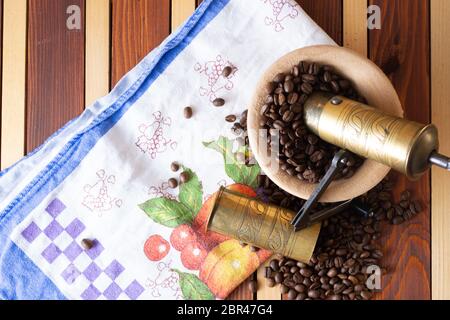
point(327, 14)
point(138, 26)
point(402, 49)
point(55, 69)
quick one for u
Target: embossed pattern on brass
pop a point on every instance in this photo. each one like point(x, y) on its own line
point(262, 225)
point(398, 143)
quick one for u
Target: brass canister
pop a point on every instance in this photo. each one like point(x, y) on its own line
point(262, 225)
point(401, 144)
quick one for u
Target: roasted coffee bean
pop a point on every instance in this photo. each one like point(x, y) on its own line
point(279, 78)
point(415, 207)
point(314, 294)
point(300, 288)
point(230, 118)
point(226, 72)
point(174, 166)
point(173, 183)
point(87, 244)
point(307, 88)
point(288, 86)
point(270, 282)
point(398, 220)
point(366, 295)
point(274, 264)
point(292, 294)
point(254, 249)
point(268, 272)
point(188, 112)
point(306, 272)
point(219, 102)
point(270, 87)
point(278, 277)
point(184, 177)
point(405, 195)
point(284, 289)
point(292, 98)
point(253, 286)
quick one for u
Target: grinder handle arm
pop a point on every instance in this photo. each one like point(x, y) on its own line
point(440, 160)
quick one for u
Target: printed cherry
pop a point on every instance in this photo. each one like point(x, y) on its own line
point(182, 236)
point(193, 256)
point(156, 248)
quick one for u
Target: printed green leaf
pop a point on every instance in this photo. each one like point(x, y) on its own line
point(193, 288)
point(237, 171)
point(168, 212)
point(191, 192)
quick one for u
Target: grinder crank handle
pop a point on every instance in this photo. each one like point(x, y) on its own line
point(440, 160)
point(302, 218)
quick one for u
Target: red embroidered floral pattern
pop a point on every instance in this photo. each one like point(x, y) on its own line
point(98, 198)
point(281, 10)
point(152, 139)
point(214, 81)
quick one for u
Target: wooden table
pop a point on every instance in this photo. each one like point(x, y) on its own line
point(41, 56)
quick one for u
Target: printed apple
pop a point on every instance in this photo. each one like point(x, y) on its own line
point(182, 236)
point(193, 256)
point(156, 248)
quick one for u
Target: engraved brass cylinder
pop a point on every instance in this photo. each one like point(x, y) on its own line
point(261, 225)
point(401, 144)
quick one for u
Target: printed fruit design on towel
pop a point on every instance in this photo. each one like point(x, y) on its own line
point(226, 266)
point(156, 248)
point(222, 264)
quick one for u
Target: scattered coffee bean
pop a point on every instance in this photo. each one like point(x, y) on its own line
point(188, 112)
point(230, 118)
point(87, 244)
point(184, 177)
point(173, 183)
point(292, 294)
point(253, 286)
point(270, 282)
point(174, 166)
point(227, 71)
point(219, 102)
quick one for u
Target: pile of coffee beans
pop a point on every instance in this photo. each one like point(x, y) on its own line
point(347, 245)
point(302, 153)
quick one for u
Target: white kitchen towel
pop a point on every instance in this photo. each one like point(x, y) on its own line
point(104, 175)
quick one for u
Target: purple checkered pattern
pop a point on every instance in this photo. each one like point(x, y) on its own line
point(71, 273)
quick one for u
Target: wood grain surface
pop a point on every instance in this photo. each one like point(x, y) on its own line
point(181, 10)
point(355, 25)
point(48, 83)
point(138, 26)
point(55, 69)
point(402, 49)
point(440, 241)
point(97, 49)
point(13, 81)
point(327, 14)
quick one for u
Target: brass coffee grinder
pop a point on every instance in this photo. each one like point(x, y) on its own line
point(406, 146)
point(377, 133)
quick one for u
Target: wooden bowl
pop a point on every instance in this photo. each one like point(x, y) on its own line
point(367, 79)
